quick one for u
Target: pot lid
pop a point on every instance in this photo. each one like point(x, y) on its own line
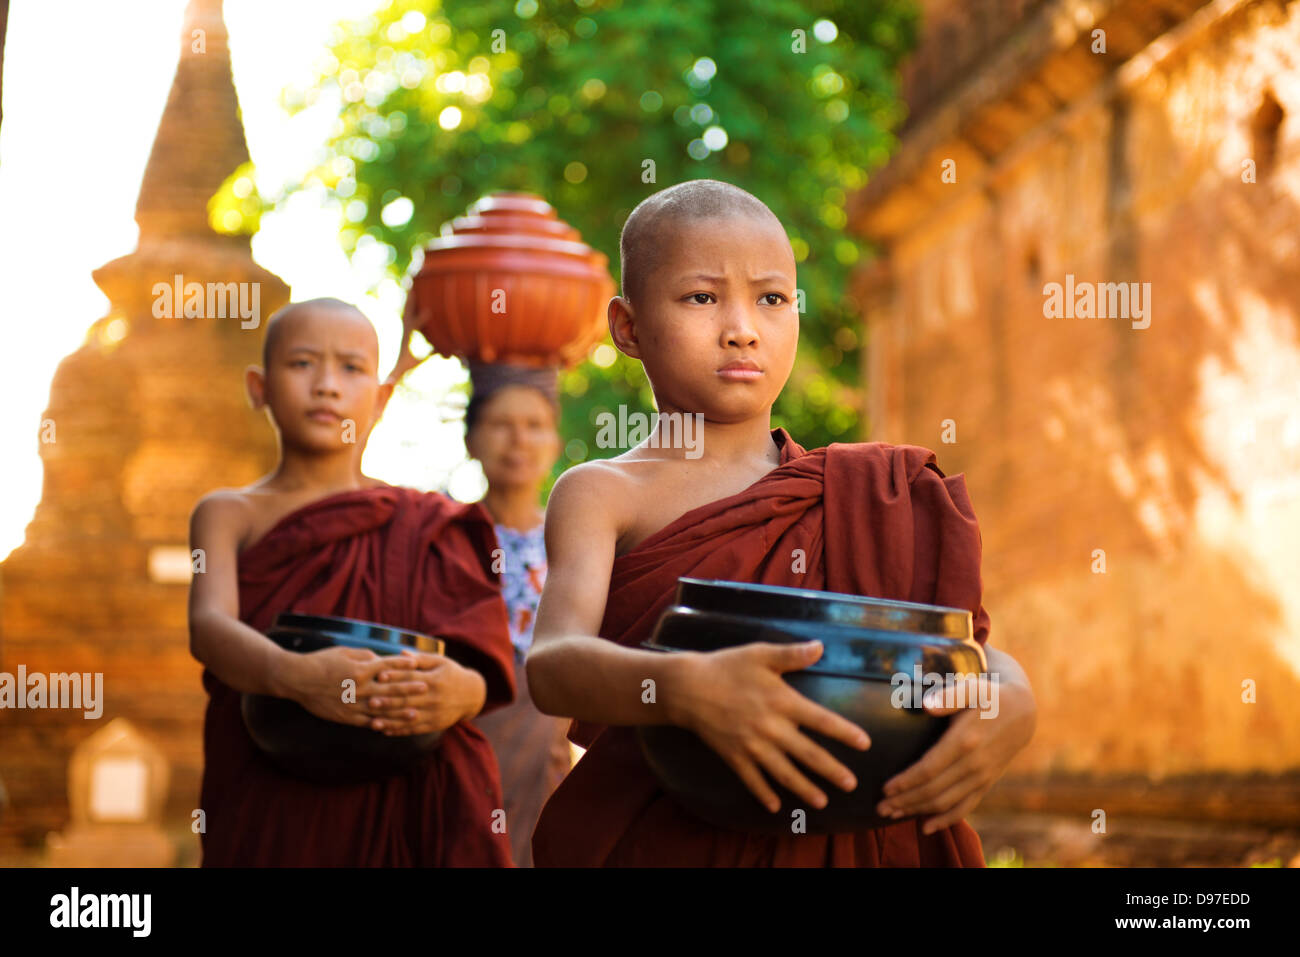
point(514, 219)
point(849, 651)
point(334, 626)
point(806, 604)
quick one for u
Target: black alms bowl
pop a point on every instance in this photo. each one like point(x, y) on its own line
point(326, 752)
point(868, 641)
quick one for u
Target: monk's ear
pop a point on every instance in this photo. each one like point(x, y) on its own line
point(255, 386)
point(622, 327)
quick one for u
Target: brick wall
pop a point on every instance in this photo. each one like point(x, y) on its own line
point(1175, 449)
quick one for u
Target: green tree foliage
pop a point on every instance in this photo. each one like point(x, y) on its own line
point(793, 101)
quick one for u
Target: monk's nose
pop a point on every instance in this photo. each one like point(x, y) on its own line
point(326, 384)
point(741, 334)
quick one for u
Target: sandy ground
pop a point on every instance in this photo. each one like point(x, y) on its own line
point(1043, 840)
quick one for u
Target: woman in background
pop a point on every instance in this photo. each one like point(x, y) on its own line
point(512, 429)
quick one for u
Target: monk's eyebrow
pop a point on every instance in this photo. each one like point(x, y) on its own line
point(763, 280)
point(358, 356)
point(769, 278)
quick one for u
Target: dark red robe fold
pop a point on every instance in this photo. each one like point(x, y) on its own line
point(409, 559)
point(864, 518)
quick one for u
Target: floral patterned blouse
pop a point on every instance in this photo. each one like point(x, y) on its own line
point(523, 573)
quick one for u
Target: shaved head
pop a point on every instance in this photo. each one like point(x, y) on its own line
point(286, 317)
point(650, 226)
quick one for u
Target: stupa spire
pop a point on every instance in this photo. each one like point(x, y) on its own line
point(200, 138)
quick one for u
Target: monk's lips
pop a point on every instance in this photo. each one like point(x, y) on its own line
point(867, 641)
point(326, 752)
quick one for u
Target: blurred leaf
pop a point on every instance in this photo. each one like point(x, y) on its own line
point(236, 208)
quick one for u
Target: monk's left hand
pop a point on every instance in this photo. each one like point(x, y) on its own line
point(950, 779)
point(452, 693)
point(410, 324)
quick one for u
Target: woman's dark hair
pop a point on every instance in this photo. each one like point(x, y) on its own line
point(486, 379)
point(478, 401)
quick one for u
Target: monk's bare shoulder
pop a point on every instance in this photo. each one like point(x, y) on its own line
point(592, 498)
point(596, 484)
point(230, 511)
point(244, 515)
point(229, 503)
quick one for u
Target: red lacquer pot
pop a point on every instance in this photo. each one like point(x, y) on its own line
point(511, 282)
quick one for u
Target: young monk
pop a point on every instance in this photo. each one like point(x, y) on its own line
point(708, 306)
point(316, 536)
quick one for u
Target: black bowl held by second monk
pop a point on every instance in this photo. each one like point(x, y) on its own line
point(327, 752)
point(867, 643)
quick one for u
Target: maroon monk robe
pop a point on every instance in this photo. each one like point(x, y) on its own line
point(864, 519)
point(409, 559)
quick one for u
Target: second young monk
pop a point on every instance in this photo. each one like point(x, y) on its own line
point(708, 307)
point(316, 536)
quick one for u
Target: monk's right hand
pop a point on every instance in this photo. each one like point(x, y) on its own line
point(737, 702)
point(340, 684)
